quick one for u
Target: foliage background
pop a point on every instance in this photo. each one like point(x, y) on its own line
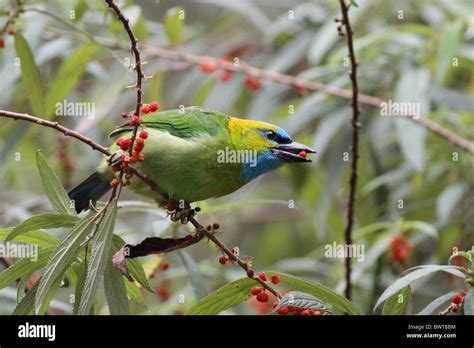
point(408, 59)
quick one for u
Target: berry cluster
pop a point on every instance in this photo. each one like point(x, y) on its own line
point(295, 310)
point(10, 30)
point(456, 301)
point(152, 107)
point(137, 156)
point(399, 248)
point(259, 292)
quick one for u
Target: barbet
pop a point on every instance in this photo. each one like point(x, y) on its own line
point(193, 154)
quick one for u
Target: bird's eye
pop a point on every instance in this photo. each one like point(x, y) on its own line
point(271, 135)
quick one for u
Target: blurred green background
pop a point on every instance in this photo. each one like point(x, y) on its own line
point(83, 59)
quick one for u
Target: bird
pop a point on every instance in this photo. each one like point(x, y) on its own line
point(194, 154)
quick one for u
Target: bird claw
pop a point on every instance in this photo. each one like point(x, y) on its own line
point(116, 157)
point(183, 214)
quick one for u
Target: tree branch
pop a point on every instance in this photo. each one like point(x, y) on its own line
point(355, 141)
point(300, 83)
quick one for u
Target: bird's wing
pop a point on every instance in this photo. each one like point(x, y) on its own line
point(186, 123)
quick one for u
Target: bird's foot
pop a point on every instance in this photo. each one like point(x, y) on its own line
point(116, 158)
point(181, 212)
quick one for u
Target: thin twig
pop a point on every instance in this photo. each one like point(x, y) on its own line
point(355, 142)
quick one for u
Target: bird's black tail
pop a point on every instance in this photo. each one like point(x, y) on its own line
point(90, 189)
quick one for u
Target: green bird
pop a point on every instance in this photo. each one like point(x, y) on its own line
point(194, 154)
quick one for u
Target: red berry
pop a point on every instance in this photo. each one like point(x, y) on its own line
point(2, 42)
point(255, 291)
point(153, 106)
point(282, 310)
point(275, 304)
point(262, 297)
point(208, 67)
point(135, 120)
point(302, 153)
point(305, 312)
point(11, 31)
point(300, 85)
point(317, 313)
point(143, 134)
point(263, 276)
point(119, 141)
point(275, 279)
point(139, 141)
point(226, 75)
point(145, 109)
point(189, 238)
point(252, 82)
point(165, 266)
point(457, 299)
point(141, 157)
point(223, 260)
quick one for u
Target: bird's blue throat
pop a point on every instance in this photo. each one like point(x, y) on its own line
point(266, 162)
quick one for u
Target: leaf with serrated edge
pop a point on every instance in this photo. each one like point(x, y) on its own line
point(115, 291)
point(100, 256)
point(53, 187)
point(418, 273)
point(62, 257)
point(321, 292)
point(24, 266)
point(43, 221)
point(302, 300)
point(39, 238)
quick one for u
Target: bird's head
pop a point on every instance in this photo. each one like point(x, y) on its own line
point(263, 147)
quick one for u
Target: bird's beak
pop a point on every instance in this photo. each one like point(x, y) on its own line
point(293, 152)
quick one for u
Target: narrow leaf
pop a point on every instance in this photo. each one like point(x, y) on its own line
point(100, 256)
point(39, 238)
point(321, 292)
point(115, 291)
point(195, 276)
point(43, 221)
point(416, 274)
point(62, 257)
point(397, 303)
point(30, 76)
point(429, 309)
point(53, 187)
point(224, 298)
point(173, 24)
point(25, 266)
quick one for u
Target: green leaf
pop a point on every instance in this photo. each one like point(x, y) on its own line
point(39, 238)
point(115, 291)
point(53, 188)
point(134, 266)
point(62, 257)
point(26, 305)
point(81, 278)
point(321, 292)
point(450, 40)
point(224, 298)
point(25, 266)
point(173, 24)
point(196, 278)
point(134, 293)
point(429, 309)
point(100, 256)
point(302, 300)
point(422, 227)
point(468, 305)
point(67, 77)
point(396, 304)
point(43, 221)
point(415, 274)
point(30, 76)
point(354, 3)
